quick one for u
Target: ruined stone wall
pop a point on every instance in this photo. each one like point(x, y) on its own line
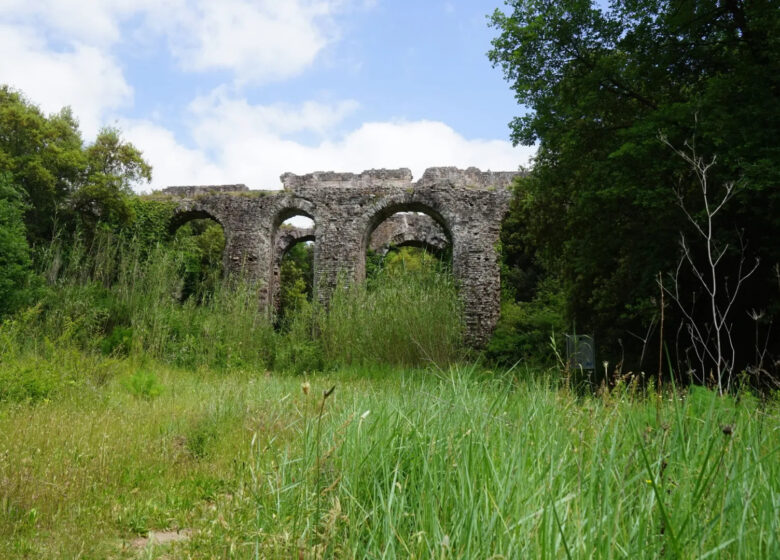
point(466, 206)
point(191, 191)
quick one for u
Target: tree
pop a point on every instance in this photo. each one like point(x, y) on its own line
point(112, 168)
point(66, 183)
point(44, 156)
point(16, 275)
point(712, 337)
point(599, 85)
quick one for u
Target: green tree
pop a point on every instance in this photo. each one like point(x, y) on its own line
point(16, 275)
point(600, 206)
point(44, 156)
point(112, 168)
point(66, 183)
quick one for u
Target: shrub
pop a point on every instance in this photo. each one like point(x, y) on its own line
point(119, 342)
point(524, 329)
point(144, 384)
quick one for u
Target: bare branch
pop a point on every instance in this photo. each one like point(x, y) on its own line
point(712, 339)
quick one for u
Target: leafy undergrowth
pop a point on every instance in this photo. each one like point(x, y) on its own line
point(393, 463)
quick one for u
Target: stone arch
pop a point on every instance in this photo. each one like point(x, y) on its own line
point(286, 238)
point(407, 202)
point(290, 207)
point(404, 230)
point(283, 239)
point(182, 216)
point(346, 207)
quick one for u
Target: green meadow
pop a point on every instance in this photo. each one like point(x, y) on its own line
point(394, 463)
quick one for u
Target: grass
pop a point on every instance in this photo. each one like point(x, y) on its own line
point(121, 298)
point(126, 413)
point(395, 463)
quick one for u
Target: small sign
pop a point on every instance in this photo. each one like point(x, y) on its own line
point(580, 351)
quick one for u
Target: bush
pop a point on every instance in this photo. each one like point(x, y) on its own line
point(119, 342)
point(144, 384)
point(298, 348)
point(524, 329)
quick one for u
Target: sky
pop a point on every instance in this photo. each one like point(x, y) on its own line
point(241, 91)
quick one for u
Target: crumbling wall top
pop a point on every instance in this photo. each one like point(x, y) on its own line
point(466, 178)
point(194, 190)
point(369, 178)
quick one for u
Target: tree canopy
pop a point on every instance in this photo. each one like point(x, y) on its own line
point(66, 184)
point(600, 207)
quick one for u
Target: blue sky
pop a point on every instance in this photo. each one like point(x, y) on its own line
point(243, 90)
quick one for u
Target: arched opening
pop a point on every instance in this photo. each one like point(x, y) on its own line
point(407, 241)
point(293, 264)
point(408, 310)
point(198, 240)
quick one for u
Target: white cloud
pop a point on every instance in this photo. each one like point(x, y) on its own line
point(88, 21)
point(259, 41)
point(236, 142)
point(218, 116)
point(172, 163)
point(59, 52)
point(84, 77)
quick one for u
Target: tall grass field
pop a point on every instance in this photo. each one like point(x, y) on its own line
point(393, 463)
point(136, 424)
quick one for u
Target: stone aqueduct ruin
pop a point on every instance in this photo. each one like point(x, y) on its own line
point(461, 209)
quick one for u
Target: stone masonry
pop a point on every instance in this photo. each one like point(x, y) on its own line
point(399, 230)
point(413, 229)
point(466, 205)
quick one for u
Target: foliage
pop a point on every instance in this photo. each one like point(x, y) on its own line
point(298, 346)
point(521, 270)
point(116, 300)
point(35, 368)
point(144, 384)
point(405, 260)
point(201, 244)
point(599, 208)
point(524, 329)
point(151, 223)
point(44, 156)
point(406, 319)
point(296, 279)
point(16, 276)
point(68, 185)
